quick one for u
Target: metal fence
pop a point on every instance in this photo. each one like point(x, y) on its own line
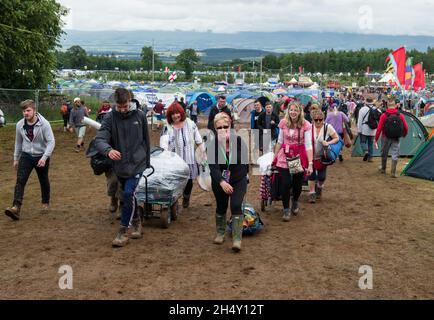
point(48, 102)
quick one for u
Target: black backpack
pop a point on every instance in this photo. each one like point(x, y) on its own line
point(99, 162)
point(373, 118)
point(393, 126)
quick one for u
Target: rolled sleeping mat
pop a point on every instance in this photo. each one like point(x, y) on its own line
point(89, 122)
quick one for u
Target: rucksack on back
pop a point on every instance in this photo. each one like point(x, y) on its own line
point(393, 126)
point(64, 109)
point(373, 118)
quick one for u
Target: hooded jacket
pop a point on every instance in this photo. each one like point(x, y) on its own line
point(43, 141)
point(128, 134)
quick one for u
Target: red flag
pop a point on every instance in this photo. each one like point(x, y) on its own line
point(419, 77)
point(397, 59)
point(300, 69)
point(173, 76)
point(239, 69)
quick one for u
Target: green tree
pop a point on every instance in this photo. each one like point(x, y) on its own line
point(29, 34)
point(186, 60)
point(271, 62)
point(147, 53)
point(77, 57)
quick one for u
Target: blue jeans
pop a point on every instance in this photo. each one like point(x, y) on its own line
point(367, 144)
point(129, 211)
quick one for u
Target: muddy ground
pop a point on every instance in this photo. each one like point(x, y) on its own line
point(364, 218)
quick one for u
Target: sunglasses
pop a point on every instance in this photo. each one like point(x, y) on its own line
point(223, 128)
point(318, 120)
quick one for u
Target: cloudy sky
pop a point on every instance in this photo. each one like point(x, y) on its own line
point(392, 17)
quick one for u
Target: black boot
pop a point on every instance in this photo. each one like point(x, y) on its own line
point(186, 201)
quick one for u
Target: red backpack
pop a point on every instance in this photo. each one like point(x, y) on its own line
point(64, 109)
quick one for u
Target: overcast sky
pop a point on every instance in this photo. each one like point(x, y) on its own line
point(393, 17)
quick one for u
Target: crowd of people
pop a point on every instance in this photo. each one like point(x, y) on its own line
point(299, 135)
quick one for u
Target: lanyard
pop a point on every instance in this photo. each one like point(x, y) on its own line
point(227, 160)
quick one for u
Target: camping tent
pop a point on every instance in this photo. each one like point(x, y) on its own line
point(421, 166)
point(409, 145)
point(305, 81)
point(238, 95)
point(243, 107)
point(204, 101)
point(428, 121)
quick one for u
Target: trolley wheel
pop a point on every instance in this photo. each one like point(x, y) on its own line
point(263, 205)
point(165, 218)
point(174, 211)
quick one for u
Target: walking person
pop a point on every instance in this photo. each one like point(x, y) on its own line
point(65, 112)
point(323, 135)
point(392, 127)
point(229, 169)
point(220, 107)
point(337, 119)
point(295, 140)
point(181, 135)
point(34, 144)
point(76, 117)
point(367, 123)
point(194, 111)
point(256, 133)
point(2, 119)
point(268, 122)
point(124, 138)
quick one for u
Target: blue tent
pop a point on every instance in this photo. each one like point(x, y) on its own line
point(204, 100)
point(239, 95)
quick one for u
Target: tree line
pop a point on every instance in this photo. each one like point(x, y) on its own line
point(30, 33)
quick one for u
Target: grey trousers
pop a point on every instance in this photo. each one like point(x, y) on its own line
point(391, 145)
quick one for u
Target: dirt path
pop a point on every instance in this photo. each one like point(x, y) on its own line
point(363, 219)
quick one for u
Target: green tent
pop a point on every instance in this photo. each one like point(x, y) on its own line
point(421, 166)
point(416, 137)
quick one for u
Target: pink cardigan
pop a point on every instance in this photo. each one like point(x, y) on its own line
point(291, 144)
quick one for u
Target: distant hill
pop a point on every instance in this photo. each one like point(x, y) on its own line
point(227, 54)
point(131, 42)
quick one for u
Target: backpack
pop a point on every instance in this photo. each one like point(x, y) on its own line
point(373, 118)
point(252, 222)
point(332, 151)
point(393, 126)
point(99, 162)
point(64, 109)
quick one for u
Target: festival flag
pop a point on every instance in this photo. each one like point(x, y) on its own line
point(419, 77)
point(173, 76)
point(397, 62)
point(409, 74)
point(300, 69)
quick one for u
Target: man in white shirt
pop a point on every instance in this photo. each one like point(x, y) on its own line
point(366, 133)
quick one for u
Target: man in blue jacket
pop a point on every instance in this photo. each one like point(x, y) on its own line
point(124, 138)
